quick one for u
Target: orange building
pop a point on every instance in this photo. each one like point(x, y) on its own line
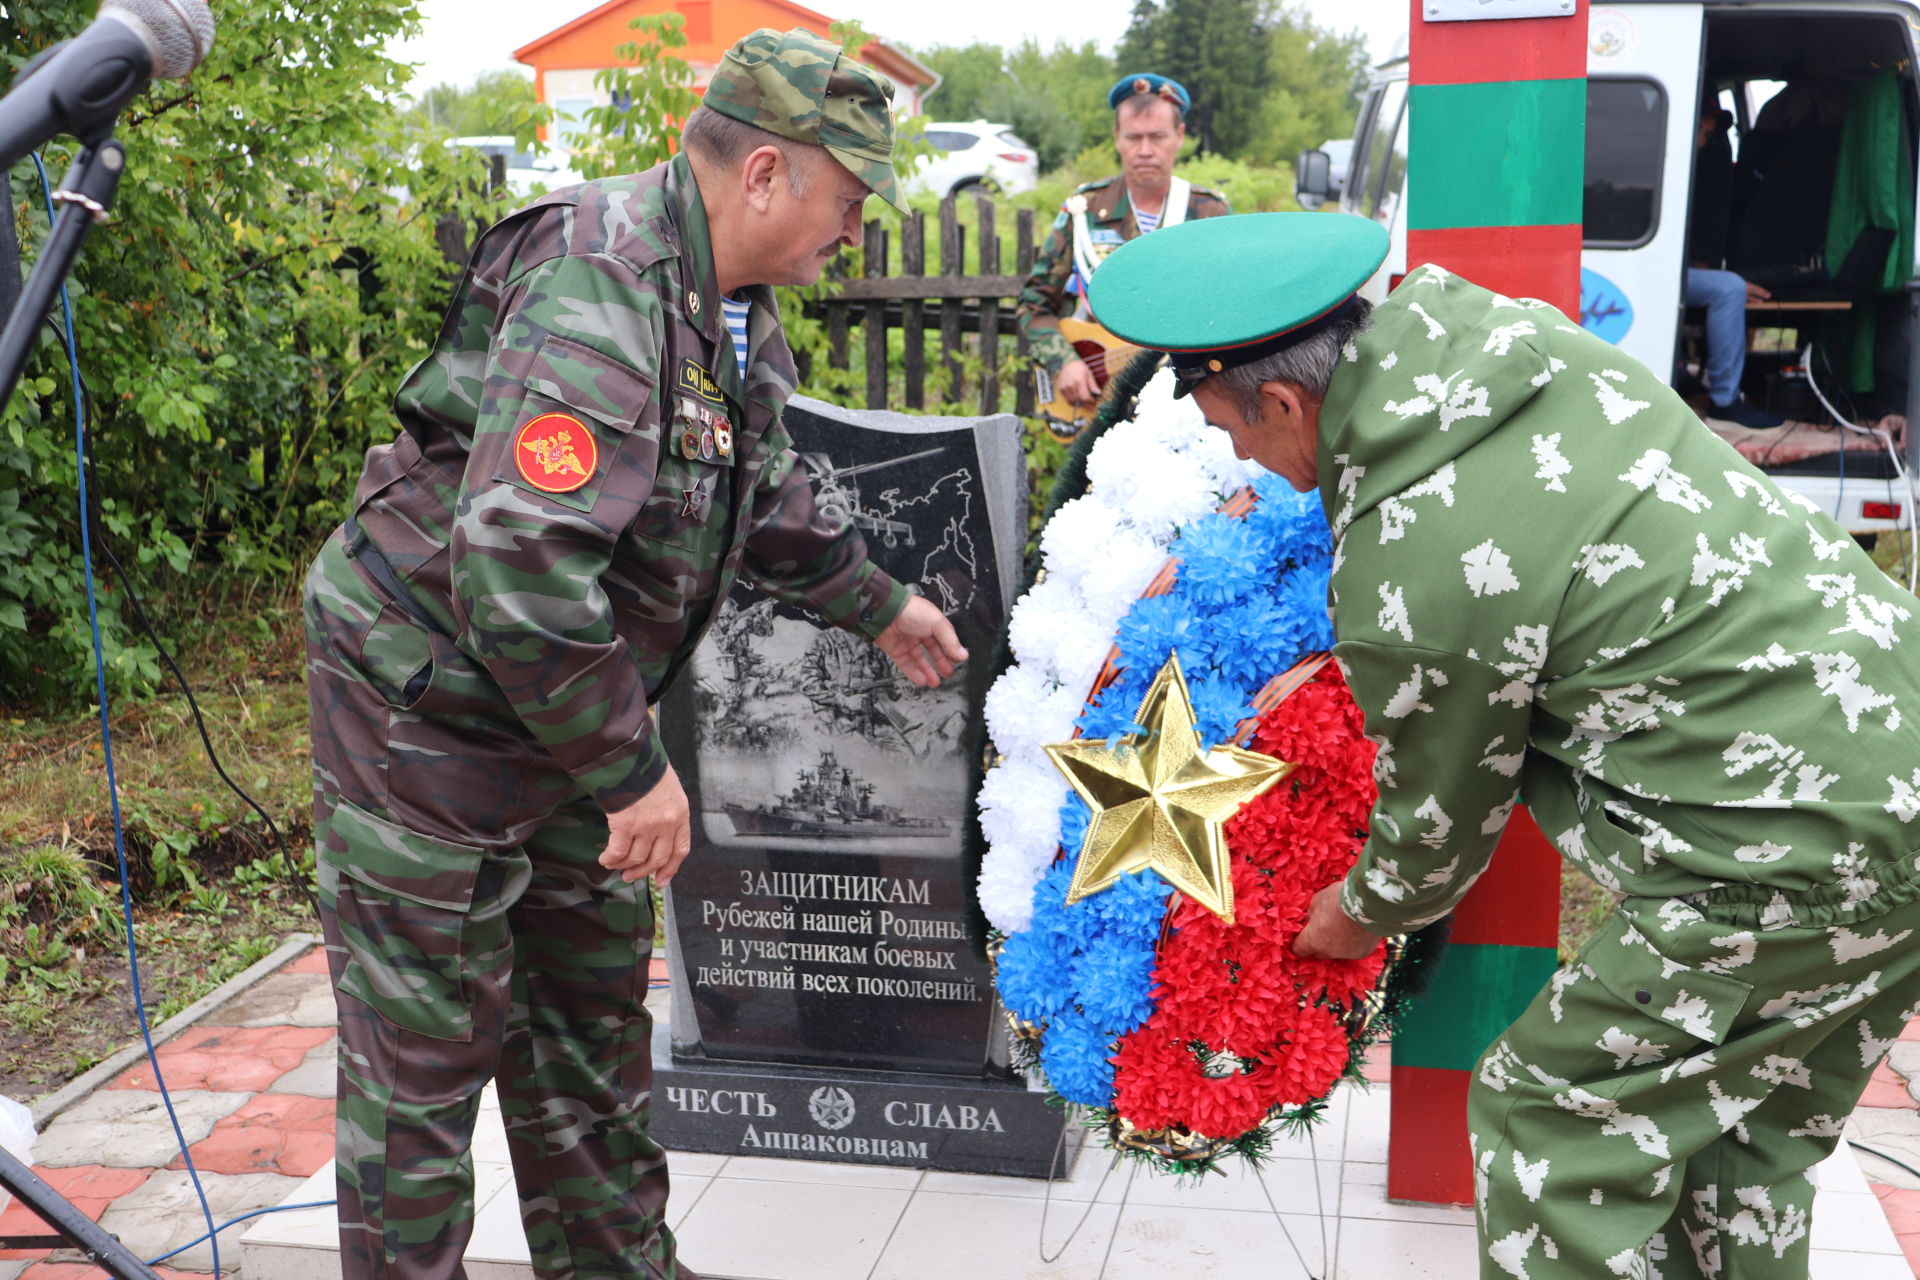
point(566, 59)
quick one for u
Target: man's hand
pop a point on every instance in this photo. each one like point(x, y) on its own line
point(1330, 933)
point(1757, 293)
point(1075, 383)
point(651, 836)
point(921, 643)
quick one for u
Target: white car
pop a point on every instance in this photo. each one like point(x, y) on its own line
point(978, 154)
point(525, 169)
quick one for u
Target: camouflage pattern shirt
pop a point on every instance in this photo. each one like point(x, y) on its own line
point(585, 472)
point(1051, 291)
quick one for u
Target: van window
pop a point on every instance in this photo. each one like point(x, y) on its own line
point(1386, 154)
point(1626, 150)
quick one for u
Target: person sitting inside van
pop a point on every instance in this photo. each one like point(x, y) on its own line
point(1723, 293)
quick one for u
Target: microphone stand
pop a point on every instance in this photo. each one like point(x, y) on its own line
point(84, 197)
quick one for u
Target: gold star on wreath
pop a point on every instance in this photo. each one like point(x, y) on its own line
point(1160, 802)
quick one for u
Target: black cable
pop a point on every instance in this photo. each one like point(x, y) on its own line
point(300, 886)
point(1881, 1155)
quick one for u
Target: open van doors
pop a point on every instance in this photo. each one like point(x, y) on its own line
point(1798, 80)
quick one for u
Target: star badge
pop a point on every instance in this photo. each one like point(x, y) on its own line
point(1160, 802)
point(691, 500)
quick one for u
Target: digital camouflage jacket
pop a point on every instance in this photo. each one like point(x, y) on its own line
point(1552, 583)
point(1046, 296)
point(585, 472)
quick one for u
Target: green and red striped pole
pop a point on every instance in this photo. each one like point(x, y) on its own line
point(1496, 147)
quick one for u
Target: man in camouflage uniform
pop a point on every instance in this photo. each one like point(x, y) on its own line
point(1149, 124)
point(1551, 582)
point(587, 464)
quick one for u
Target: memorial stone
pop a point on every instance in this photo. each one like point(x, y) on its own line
point(828, 1000)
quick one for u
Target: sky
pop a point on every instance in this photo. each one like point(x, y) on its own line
point(463, 38)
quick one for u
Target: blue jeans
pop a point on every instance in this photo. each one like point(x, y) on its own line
point(1724, 295)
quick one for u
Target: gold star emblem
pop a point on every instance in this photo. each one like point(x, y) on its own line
point(1160, 802)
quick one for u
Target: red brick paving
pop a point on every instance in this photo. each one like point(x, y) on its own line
point(228, 1059)
point(90, 1187)
point(1885, 1089)
point(87, 1271)
point(314, 961)
point(273, 1133)
point(1903, 1215)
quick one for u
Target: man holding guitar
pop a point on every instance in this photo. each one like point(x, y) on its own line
point(1073, 355)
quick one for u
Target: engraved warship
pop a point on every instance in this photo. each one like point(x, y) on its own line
point(829, 802)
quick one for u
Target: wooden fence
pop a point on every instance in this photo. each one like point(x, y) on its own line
point(951, 303)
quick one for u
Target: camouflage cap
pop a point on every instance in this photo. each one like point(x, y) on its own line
point(800, 86)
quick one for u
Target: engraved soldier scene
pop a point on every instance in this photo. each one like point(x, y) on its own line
point(700, 638)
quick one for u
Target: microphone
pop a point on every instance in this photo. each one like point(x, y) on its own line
point(79, 86)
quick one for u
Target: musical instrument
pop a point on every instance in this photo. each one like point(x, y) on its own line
point(1104, 355)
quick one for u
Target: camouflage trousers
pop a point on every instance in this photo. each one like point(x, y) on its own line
point(1654, 1112)
point(472, 936)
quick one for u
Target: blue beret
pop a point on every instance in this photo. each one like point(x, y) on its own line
point(1221, 292)
point(1144, 82)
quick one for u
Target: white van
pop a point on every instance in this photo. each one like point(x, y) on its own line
point(1789, 75)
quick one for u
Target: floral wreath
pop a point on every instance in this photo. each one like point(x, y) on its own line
point(1184, 1029)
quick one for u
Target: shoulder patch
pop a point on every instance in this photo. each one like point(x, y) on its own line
point(1095, 185)
point(555, 453)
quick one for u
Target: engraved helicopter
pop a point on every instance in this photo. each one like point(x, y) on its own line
point(839, 499)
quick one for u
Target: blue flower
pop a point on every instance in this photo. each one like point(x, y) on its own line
point(1075, 816)
point(1031, 975)
point(1218, 708)
point(1113, 979)
point(1222, 558)
point(1152, 629)
point(1074, 1054)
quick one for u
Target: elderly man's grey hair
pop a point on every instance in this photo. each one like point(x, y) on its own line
point(1308, 365)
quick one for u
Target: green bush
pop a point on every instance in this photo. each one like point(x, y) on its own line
point(270, 272)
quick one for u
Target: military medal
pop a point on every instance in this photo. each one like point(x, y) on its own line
point(691, 501)
point(690, 443)
point(723, 438)
point(706, 444)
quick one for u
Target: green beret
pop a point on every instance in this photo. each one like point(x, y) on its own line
point(1221, 292)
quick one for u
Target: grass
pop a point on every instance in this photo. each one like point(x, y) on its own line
point(211, 892)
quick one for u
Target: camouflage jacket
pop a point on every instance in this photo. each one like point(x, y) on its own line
point(585, 472)
point(1051, 292)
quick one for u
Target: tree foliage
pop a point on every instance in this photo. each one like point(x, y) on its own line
point(651, 95)
point(1055, 99)
point(497, 103)
point(269, 274)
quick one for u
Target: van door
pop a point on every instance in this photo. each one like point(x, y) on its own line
point(1643, 87)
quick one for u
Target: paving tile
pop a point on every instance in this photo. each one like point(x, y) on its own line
point(1002, 1238)
point(1405, 1251)
point(686, 1194)
point(1151, 1242)
point(316, 1076)
point(1825, 1264)
point(697, 1164)
point(1885, 1089)
point(1363, 1197)
point(164, 1213)
point(1904, 1059)
point(273, 1133)
point(12, 1270)
point(1913, 1030)
point(1848, 1222)
point(282, 999)
point(91, 1188)
point(1895, 1133)
point(227, 1058)
point(129, 1129)
point(798, 1231)
point(1902, 1207)
point(497, 1233)
point(1378, 1066)
point(313, 960)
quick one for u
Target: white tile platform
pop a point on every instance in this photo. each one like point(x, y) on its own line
point(744, 1218)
